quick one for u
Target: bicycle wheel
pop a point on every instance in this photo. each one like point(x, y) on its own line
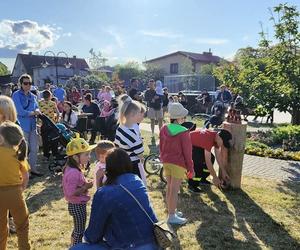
point(162, 176)
point(152, 164)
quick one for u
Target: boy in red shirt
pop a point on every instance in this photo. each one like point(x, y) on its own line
point(203, 140)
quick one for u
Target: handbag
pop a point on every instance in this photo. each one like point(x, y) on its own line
point(164, 235)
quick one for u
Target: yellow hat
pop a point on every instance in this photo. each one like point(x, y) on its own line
point(77, 146)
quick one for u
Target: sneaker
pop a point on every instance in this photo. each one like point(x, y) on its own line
point(195, 189)
point(174, 219)
point(179, 214)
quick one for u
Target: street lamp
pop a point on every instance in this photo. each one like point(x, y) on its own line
point(45, 64)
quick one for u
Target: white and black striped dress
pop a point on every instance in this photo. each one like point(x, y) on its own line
point(129, 140)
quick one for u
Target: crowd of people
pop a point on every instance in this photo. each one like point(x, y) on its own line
point(116, 221)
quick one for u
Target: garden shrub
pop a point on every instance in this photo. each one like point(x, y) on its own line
point(285, 133)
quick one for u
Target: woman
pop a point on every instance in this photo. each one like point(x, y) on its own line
point(69, 117)
point(27, 110)
point(117, 221)
point(75, 96)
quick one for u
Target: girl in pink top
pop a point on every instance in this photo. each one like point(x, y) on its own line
point(75, 186)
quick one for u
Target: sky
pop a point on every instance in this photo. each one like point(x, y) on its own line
point(131, 30)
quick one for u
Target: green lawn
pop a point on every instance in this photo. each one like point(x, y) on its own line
point(263, 215)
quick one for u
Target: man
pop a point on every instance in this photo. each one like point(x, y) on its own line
point(91, 107)
point(203, 140)
point(204, 100)
point(165, 101)
point(154, 103)
point(133, 92)
point(27, 109)
point(224, 95)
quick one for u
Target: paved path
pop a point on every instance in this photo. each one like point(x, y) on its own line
point(261, 166)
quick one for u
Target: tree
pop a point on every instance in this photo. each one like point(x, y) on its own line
point(96, 60)
point(207, 69)
point(128, 71)
point(283, 64)
point(79, 81)
point(152, 72)
point(3, 69)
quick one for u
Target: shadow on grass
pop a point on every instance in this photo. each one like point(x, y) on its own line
point(51, 191)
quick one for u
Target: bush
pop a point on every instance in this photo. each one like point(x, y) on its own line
point(285, 133)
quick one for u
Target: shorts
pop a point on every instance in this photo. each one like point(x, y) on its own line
point(155, 114)
point(174, 171)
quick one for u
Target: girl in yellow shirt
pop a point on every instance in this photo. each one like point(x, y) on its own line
point(13, 180)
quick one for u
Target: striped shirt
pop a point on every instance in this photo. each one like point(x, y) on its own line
point(129, 140)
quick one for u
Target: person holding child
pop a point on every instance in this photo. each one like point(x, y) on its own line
point(128, 138)
point(176, 156)
point(13, 180)
point(75, 186)
point(117, 221)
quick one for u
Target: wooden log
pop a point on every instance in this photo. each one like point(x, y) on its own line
point(236, 152)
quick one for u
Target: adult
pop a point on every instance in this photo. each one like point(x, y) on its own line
point(133, 92)
point(92, 108)
point(205, 100)
point(182, 99)
point(117, 221)
point(165, 101)
point(27, 110)
point(203, 140)
point(75, 96)
point(61, 95)
point(86, 90)
point(48, 86)
point(224, 95)
point(69, 117)
point(101, 93)
point(6, 89)
point(154, 103)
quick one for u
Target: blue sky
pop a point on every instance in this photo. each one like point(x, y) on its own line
point(125, 30)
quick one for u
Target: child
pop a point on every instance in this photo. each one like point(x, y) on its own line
point(128, 138)
point(101, 152)
point(13, 180)
point(176, 156)
point(75, 186)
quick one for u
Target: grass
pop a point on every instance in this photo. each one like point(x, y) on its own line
point(263, 215)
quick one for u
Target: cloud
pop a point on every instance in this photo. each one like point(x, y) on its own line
point(118, 38)
point(25, 35)
point(211, 41)
point(159, 33)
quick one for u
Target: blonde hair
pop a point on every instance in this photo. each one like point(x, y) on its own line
point(103, 147)
point(8, 109)
point(128, 108)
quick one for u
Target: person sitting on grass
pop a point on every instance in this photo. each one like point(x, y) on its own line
point(203, 140)
point(117, 221)
point(13, 180)
point(176, 156)
point(75, 186)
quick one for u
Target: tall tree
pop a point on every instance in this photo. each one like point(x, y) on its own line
point(3, 69)
point(96, 60)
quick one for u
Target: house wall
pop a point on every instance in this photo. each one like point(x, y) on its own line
point(165, 63)
point(40, 74)
point(18, 70)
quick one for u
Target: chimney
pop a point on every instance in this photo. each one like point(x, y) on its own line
point(209, 53)
point(74, 57)
point(30, 53)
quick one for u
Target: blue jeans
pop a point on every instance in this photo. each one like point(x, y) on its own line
point(32, 141)
point(86, 246)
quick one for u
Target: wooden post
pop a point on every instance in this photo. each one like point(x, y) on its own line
point(236, 152)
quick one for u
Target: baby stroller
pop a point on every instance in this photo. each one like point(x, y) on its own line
point(218, 115)
point(60, 135)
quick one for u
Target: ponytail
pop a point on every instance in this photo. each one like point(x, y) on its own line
point(22, 150)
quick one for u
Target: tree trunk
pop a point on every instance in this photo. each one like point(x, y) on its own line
point(236, 152)
point(296, 116)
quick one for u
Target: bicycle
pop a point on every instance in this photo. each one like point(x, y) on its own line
point(153, 165)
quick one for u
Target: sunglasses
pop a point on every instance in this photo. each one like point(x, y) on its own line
point(26, 83)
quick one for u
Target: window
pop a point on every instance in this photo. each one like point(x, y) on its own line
point(173, 68)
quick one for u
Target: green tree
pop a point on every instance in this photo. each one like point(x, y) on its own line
point(283, 63)
point(128, 71)
point(152, 72)
point(96, 60)
point(3, 69)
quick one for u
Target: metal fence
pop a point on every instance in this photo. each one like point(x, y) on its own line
point(176, 83)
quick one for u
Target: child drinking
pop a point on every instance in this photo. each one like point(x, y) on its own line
point(128, 138)
point(101, 152)
point(176, 156)
point(13, 180)
point(75, 186)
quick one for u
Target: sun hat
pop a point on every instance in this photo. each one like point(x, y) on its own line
point(77, 146)
point(176, 110)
